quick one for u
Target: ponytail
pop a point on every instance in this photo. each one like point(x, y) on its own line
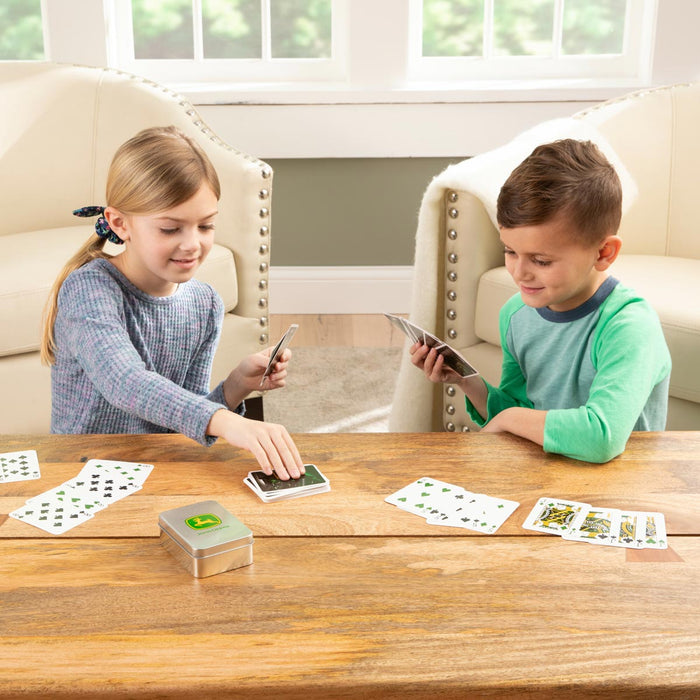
point(92, 249)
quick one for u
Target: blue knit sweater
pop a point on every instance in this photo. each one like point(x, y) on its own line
point(127, 362)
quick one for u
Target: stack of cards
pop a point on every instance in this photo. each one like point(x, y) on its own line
point(441, 503)
point(271, 489)
point(19, 466)
point(452, 359)
point(99, 483)
point(582, 522)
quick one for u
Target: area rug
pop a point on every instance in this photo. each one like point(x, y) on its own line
point(336, 390)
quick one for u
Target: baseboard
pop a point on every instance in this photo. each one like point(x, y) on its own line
point(340, 290)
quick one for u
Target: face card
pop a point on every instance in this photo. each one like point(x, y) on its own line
point(53, 516)
point(19, 466)
point(134, 472)
point(555, 516)
point(598, 526)
point(625, 534)
point(651, 531)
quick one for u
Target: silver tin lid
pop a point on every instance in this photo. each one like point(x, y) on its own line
point(205, 528)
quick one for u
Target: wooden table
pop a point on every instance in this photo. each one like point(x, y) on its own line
point(348, 596)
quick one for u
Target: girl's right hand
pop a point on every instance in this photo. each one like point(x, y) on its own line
point(270, 443)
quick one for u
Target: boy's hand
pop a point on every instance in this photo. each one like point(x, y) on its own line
point(270, 443)
point(432, 363)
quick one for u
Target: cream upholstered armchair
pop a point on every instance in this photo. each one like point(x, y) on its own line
point(59, 128)
point(460, 283)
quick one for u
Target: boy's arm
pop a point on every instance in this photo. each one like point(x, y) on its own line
point(631, 357)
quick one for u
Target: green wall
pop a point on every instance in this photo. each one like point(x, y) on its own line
point(348, 211)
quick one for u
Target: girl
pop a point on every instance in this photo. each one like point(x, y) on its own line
point(131, 337)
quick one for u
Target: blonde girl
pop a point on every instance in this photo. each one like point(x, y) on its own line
point(131, 337)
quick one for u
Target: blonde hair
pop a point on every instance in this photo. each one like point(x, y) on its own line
point(157, 169)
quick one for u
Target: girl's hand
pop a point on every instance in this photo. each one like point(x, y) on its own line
point(270, 443)
point(246, 377)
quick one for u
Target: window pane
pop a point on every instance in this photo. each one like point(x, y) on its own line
point(300, 28)
point(21, 35)
point(522, 28)
point(453, 27)
point(162, 28)
point(593, 26)
point(231, 28)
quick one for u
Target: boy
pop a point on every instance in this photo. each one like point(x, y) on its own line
point(584, 358)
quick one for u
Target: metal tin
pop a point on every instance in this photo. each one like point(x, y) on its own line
point(205, 538)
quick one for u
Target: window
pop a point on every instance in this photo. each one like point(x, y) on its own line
point(231, 40)
point(21, 30)
point(509, 39)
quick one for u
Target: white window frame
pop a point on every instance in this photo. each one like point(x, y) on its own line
point(238, 70)
point(634, 63)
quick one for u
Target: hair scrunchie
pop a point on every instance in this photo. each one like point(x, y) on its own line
point(102, 228)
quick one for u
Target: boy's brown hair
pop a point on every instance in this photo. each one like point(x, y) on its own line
point(567, 177)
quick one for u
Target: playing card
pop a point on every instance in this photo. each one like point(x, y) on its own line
point(134, 472)
point(279, 349)
point(424, 497)
point(489, 513)
point(54, 516)
point(598, 526)
point(100, 484)
point(625, 533)
point(19, 466)
point(651, 531)
point(455, 509)
point(67, 494)
point(555, 516)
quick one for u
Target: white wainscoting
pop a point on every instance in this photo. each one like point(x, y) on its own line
point(340, 290)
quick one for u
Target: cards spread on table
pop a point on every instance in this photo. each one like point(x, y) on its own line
point(441, 503)
point(99, 483)
point(279, 349)
point(271, 489)
point(582, 522)
point(19, 466)
point(418, 335)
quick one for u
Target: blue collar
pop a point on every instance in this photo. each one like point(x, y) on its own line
point(588, 306)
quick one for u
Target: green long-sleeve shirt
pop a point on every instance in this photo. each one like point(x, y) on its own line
point(600, 371)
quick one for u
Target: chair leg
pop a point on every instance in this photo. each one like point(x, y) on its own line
point(254, 408)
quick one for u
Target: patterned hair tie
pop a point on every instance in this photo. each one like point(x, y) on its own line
point(102, 228)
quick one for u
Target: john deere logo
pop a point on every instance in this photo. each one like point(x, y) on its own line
point(202, 522)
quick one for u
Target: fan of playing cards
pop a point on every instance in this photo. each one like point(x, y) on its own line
point(418, 335)
point(99, 483)
point(271, 489)
point(441, 503)
point(582, 522)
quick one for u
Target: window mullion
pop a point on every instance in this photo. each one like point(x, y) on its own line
point(557, 28)
point(488, 29)
point(266, 29)
point(197, 30)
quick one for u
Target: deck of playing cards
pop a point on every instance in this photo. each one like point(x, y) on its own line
point(99, 483)
point(271, 489)
point(417, 334)
point(582, 522)
point(445, 504)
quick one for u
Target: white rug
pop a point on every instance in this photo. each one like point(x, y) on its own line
point(336, 390)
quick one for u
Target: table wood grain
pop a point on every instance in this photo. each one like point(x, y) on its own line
point(349, 597)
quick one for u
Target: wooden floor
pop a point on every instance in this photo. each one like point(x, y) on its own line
point(333, 330)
